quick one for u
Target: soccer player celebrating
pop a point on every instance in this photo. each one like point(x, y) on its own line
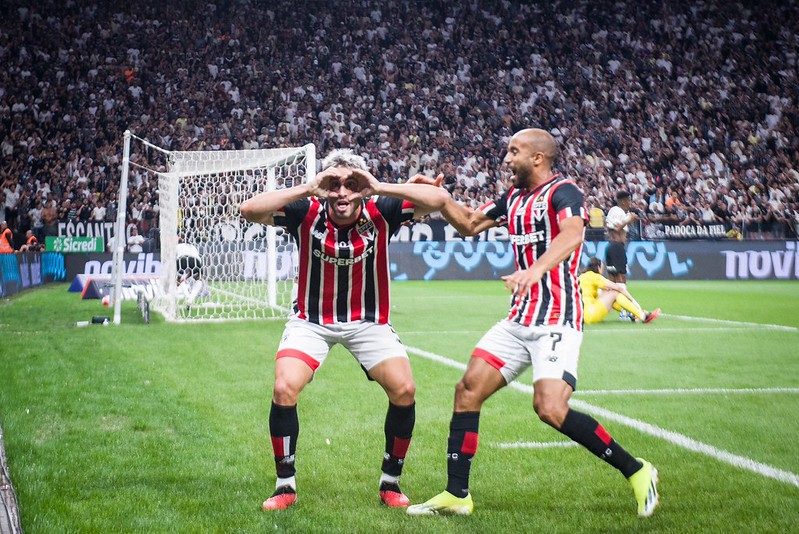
point(342, 297)
point(546, 218)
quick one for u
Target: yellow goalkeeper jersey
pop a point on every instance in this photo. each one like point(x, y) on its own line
point(590, 284)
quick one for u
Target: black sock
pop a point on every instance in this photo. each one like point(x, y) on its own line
point(284, 427)
point(587, 431)
point(461, 448)
point(398, 428)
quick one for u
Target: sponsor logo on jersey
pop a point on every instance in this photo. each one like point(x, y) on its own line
point(527, 239)
point(343, 261)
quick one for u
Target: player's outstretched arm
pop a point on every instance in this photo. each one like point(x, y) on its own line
point(465, 220)
point(425, 198)
point(424, 179)
point(262, 207)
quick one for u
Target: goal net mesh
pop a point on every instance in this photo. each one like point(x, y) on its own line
point(216, 266)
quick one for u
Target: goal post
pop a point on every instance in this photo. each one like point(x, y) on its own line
point(216, 266)
point(119, 244)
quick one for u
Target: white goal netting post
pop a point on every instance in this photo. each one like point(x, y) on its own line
point(215, 266)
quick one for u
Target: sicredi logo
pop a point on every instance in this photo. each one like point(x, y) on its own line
point(67, 245)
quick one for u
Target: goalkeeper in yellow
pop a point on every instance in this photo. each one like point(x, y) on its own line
point(600, 295)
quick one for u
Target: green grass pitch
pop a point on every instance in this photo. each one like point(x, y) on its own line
point(163, 428)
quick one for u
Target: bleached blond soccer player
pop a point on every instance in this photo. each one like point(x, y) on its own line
point(342, 221)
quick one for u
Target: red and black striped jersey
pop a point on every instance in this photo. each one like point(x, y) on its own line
point(533, 218)
point(343, 272)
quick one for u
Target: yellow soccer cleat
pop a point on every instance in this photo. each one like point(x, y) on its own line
point(644, 483)
point(444, 503)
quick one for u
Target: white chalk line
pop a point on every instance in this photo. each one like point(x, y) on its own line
point(605, 330)
point(735, 323)
point(672, 437)
point(734, 326)
point(684, 391)
point(536, 444)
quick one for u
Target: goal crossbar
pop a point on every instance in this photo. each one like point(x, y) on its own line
point(214, 264)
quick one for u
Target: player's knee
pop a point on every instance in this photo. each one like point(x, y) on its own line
point(467, 396)
point(461, 389)
point(551, 411)
point(286, 391)
point(405, 393)
point(401, 390)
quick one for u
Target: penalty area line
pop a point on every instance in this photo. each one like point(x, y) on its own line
point(682, 391)
point(536, 444)
point(735, 323)
point(742, 329)
point(675, 438)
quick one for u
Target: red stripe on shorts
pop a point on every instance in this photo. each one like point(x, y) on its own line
point(602, 434)
point(292, 353)
point(470, 440)
point(489, 358)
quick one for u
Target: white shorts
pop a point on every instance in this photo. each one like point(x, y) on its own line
point(369, 342)
point(511, 348)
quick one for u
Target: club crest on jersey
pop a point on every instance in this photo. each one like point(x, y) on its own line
point(539, 207)
point(366, 228)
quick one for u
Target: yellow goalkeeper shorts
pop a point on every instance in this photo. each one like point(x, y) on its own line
point(594, 312)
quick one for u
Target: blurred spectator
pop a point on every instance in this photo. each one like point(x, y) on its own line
point(135, 241)
point(656, 98)
point(31, 243)
point(50, 218)
point(98, 212)
point(6, 238)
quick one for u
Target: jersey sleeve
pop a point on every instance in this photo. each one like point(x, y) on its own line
point(591, 283)
point(600, 281)
point(497, 209)
point(292, 214)
point(567, 201)
point(395, 211)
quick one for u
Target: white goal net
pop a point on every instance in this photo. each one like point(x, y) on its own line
point(216, 266)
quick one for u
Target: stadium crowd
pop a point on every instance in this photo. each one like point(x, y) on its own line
point(690, 105)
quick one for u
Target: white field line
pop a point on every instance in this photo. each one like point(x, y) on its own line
point(735, 323)
point(536, 444)
point(672, 437)
point(644, 329)
point(442, 332)
point(680, 440)
point(734, 326)
point(683, 391)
